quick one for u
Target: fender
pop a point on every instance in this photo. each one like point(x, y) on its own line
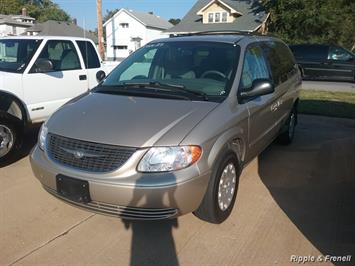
point(233, 139)
point(13, 106)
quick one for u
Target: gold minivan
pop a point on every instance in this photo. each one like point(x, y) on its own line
point(169, 131)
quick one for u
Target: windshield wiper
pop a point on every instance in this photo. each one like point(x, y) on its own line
point(122, 90)
point(169, 86)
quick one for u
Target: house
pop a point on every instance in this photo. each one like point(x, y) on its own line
point(128, 30)
point(11, 25)
point(60, 28)
point(223, 15)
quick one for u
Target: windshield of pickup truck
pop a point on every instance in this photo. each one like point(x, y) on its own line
point(15, 54)
point(204, 69)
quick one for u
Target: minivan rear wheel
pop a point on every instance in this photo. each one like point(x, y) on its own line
point(219, 199)
point(286, 137)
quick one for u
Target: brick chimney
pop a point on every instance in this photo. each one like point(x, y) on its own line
point(24, 12)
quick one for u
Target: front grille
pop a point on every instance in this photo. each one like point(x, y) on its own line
point(133, 213)
point(87, 156)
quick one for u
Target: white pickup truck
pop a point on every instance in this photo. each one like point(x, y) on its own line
point(38, 74)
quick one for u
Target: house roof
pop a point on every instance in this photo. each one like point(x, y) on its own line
point(11, 20)
point(147, 19)
point(59, 28)
point(254, 14)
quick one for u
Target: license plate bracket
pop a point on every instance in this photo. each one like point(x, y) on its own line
point(73, 189)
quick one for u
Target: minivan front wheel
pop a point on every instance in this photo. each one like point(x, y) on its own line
point(219, 199)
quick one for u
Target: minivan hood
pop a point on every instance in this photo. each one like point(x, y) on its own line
point(128, 121)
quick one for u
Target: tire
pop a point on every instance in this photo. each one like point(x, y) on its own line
point(210, 209)
point(9, 133)
point(286, 137)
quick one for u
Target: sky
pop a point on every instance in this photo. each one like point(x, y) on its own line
point(85, 10)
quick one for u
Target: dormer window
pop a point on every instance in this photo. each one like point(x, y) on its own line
point(224, 16)
point(218, 17)
point(217, 11)
point(210, 17)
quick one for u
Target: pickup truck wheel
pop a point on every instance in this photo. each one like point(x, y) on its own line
point(287, 136)
point(219, 199)
point(8, 136)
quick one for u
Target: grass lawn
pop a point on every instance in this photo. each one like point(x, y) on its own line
point(337, 104)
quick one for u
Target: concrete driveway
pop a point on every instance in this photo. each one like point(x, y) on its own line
point(295, 200)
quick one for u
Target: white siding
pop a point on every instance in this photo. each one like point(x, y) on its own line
point(116, 35)
point(6, 30)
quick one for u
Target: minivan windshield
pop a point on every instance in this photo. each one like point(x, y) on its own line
point(15, 54)
point(196, 69)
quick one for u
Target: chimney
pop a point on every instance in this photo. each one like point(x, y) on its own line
point(75, 21)
point(24, 11)
point(151, 12)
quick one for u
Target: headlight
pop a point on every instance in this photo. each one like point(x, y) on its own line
point(43, 137)
point(165, 159)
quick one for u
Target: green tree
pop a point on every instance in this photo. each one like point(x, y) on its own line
point(174, 21)
point(109, 14)
point(10, 7)
point(313, 21)
point(41, 10)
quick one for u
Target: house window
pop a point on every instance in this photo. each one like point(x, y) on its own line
point(120, 47)
point(217, 17)
point(210, 17)
point(224, 16)
point(124, 25)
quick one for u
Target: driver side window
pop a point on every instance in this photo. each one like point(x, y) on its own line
point(339, 54)
point(254, 67)
point(62, 55)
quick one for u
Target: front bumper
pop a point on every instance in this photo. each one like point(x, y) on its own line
point(127, 193)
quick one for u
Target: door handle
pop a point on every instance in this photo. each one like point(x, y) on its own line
point(82, 77)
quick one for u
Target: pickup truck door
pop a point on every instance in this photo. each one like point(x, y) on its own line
point(44, 93)
point(261, 115)
point(91, 60)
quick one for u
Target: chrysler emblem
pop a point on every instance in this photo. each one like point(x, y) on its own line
point(80, 154)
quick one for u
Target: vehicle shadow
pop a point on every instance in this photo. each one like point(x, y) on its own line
point(152, 241)
point(29, 141)
point(313, 182)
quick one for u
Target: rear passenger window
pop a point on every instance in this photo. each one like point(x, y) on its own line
point(89, 54)
point(254, 67)
point(280, 59)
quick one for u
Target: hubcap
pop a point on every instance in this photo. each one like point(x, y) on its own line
point(6, 140)
point(226, 188)
point(291, 129)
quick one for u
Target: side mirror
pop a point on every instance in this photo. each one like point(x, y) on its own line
point(43, 65)
point(100, 75)
point(260, 87)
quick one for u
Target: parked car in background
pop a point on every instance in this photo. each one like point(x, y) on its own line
point(325, 62)
point(38, 74)
point(170, 129)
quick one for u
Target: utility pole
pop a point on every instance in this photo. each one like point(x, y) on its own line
point(100, 31)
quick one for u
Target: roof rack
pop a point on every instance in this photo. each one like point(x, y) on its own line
point(220, 32)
